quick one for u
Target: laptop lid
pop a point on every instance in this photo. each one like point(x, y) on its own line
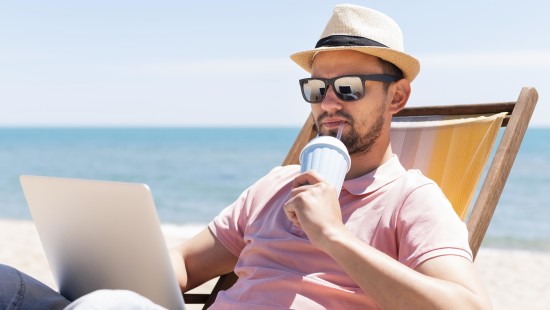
point(102, 235)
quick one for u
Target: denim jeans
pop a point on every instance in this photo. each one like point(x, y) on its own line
point(20, 291)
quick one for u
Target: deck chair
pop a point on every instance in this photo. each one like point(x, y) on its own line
point(452, 145)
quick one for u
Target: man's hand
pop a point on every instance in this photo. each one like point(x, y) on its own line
point(313, 206)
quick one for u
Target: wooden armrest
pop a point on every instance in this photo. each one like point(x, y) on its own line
point(195, 298)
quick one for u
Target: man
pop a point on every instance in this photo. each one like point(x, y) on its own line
point(391, 240)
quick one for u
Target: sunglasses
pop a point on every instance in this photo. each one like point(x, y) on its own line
point(346, 87)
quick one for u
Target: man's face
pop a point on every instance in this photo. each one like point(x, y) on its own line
point(365, 119)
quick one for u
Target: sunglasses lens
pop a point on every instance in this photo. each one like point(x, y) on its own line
point(314, 90)
point(349, 88)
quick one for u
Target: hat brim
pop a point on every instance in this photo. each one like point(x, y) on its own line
point(408, 64)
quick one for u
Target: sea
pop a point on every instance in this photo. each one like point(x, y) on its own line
point(196, 172)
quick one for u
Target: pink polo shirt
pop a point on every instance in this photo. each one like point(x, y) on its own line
point(401, 213)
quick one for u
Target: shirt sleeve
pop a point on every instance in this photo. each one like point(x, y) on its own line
point(427, 227)
point(230, 224)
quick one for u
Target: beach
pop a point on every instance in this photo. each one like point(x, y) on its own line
point(515, 279)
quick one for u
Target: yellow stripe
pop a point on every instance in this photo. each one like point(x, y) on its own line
point(451, 151)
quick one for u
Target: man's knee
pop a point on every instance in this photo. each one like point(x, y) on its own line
point(20, 291)
point(12, 288)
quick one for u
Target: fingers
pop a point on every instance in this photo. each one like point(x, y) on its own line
point(295, 200)
point(309, 193)
point(307, 178)
point(292, 216)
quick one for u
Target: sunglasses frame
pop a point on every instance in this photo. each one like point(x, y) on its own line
point(386, 78)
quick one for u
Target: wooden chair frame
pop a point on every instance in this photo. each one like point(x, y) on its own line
point(515, 123)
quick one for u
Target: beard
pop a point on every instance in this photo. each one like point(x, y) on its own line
point(355, 142)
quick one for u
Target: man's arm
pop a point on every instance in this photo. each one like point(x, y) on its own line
point(445, 282)
point(200, 259)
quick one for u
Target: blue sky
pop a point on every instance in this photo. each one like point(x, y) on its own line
point(205, 63)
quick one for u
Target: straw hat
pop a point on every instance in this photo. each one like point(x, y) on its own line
point(353, 27)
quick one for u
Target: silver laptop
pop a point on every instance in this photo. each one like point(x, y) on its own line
point(102, 235)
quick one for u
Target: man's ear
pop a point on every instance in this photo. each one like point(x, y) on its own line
point(401, 92)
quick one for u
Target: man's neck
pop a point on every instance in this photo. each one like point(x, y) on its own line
point(365, 163)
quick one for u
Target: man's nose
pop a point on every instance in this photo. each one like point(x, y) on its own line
point(331, 101)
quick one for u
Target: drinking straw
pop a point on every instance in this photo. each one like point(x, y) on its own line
point(340, 129)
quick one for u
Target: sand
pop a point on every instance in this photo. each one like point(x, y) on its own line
point(514, 279)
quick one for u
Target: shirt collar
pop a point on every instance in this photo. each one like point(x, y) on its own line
point(368, 183)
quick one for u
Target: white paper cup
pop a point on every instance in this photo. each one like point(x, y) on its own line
point(329, 157)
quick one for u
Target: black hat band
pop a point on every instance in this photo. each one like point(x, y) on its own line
point(343, 40)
